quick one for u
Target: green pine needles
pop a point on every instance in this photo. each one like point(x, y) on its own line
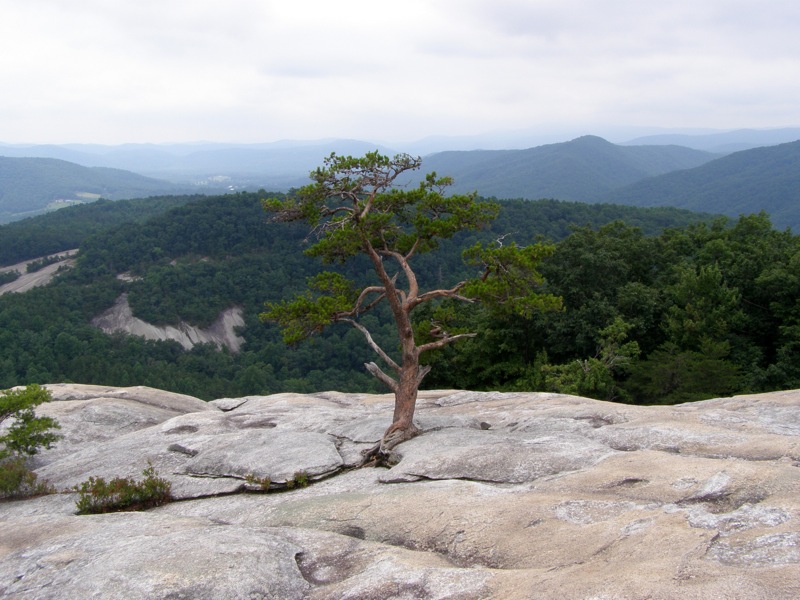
point(26, 435)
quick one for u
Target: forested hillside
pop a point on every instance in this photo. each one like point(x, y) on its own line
point(759, 179)
point(69, 227)
point(697, 312)
point(193, 261)
point(30, 186)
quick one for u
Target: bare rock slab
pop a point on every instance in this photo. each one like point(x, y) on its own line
point(279, 455)
point(504, 495)
point(492, 456)
point(201, 454)
point(144, 556)
point(92, 414)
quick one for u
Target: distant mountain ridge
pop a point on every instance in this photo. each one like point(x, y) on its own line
point(276, 165)
point(283, 164)
point(585, 169)
point(725, 141)
point(582, 170)
point(744, 182)
point(591, 169)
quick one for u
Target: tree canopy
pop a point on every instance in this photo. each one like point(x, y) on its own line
point(354, 207)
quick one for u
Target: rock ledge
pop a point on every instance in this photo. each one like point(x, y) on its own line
point(505, 495)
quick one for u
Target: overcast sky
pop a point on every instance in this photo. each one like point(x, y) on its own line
point(115, 71)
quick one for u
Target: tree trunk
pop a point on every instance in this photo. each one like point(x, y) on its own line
point(405, 393)
point(405, 402)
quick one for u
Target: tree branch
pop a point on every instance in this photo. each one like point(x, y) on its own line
point(444, 341)
point(380, 352)
point(368, 204)
point(376, 372)
point(422, 372)
point(413, 286)
point(450, 293)
point(327, 211)
point(388, 282)
point(411, 252)
point(357, 307)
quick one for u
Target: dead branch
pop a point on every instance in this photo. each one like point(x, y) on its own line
point(376, 371)
point(422, 372)
point(372, 344)
point(449, 293)
point(357, 307)
point(444, 341)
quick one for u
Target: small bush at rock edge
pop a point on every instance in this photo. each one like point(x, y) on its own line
point(121, 494)
point(300, 479)
point(17, 481)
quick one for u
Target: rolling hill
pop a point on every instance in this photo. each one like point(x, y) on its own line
point(579, 170)
point(31, 186)
point(586, 169)
point(744, 182)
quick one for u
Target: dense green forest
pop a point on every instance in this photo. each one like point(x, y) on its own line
point(661, 305)
point(69, 227)
point(697, 312)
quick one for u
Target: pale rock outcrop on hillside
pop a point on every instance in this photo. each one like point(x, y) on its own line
point(222, 332)
point(27, 281)
point(505, 495)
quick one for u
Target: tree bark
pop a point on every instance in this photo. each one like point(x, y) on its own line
point(405, 397)
point(405, 394)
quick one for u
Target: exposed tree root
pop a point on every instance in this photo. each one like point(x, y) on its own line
point(380, 454)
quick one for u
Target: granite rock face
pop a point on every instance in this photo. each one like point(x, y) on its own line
point(27, 281)
point(505, 495)
point(222, 332)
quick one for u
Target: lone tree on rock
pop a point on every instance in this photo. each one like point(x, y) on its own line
point(355, 208)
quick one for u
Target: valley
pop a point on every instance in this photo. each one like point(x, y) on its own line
point(200, 268)
point(624, 272)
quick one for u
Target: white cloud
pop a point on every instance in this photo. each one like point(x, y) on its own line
point(255, 70)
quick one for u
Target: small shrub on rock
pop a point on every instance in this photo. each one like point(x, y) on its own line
point(18, 481)
point(123, 494)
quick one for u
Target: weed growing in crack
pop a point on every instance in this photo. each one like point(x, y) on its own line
point(301, 479)
point(261, 483)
